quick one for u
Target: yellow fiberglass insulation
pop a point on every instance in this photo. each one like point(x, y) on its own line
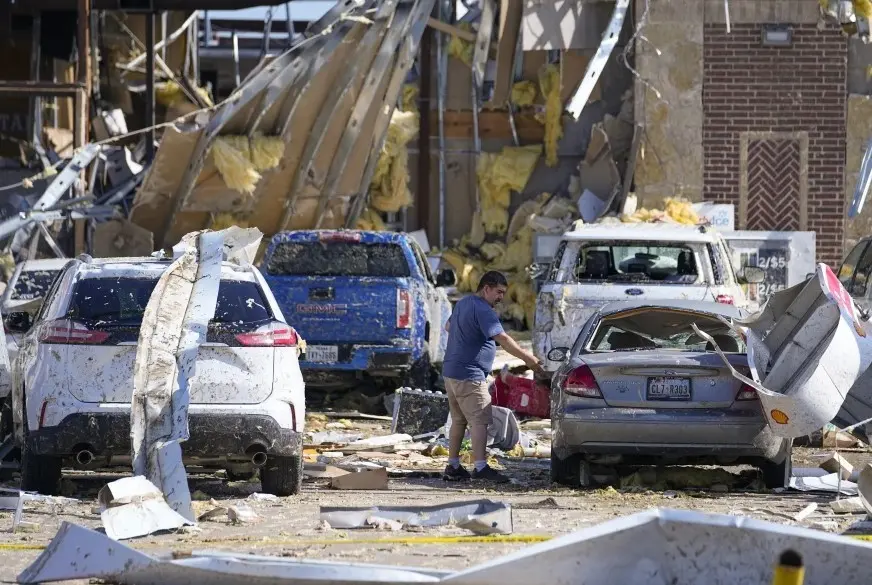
point(389, 189)
point(235, 167)
point(223, 221)
point(524, 94)
point(170, 93)
point(410, 97)
point(266, 152)
point(496, 219)
point(370, 220)
point(676, 210)
point(501, 173)
point(461, 49)
point(549, 84)
point(863, 8)
point(492, 250)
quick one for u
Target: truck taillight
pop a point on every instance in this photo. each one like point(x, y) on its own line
point(581, 382)
point(69, 332)
point(725, 300)
point(746, 393)
point(270, 335)
point(404, 309)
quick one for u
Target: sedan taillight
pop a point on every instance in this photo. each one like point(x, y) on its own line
point(274, 334)
point(746, 393)
point(69, 332)
point(725, 300)
point(581, 382)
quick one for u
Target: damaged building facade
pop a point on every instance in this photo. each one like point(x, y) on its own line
point(771, 115)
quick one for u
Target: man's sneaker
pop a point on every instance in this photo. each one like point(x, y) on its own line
point(489, 474)
point(458, 473)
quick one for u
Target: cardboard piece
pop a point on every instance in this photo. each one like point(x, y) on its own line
point(371, 479)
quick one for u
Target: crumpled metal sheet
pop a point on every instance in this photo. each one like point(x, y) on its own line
point(806, 348)
point(329, 99)
point(480, 516)
point(173, 327)
point(656, 547)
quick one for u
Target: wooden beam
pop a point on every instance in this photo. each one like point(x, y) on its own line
point(83, 73)
point(492, 124)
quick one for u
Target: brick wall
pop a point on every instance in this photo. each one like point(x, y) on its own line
point(792, 97)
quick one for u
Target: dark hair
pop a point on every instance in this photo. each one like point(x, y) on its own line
point(492, 278)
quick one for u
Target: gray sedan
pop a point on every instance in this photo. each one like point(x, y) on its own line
point(640, 387)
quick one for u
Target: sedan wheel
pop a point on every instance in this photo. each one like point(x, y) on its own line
point(573, 471)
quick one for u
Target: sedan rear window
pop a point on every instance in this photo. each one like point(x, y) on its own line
point(638, 262)
point(122, 301)
point(33, 284)
point(663, 329)
point(338, 259)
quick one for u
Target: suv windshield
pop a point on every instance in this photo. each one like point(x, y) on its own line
point(645, 262)
point(122, 301)
point(32, 284)
point(651, 328)
point(338, 259)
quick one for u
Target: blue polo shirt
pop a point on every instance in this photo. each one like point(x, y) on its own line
point(471, 349)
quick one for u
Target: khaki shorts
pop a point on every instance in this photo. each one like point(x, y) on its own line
point(468, 401)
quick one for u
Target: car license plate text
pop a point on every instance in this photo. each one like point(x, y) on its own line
point(324, 354)
point(668, 388)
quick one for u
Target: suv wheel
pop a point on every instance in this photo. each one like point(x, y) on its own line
point(777, 475)
point(40, 473)
point(282, 476)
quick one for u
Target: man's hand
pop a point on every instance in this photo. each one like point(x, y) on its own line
point(534, 364)
point(512, 347)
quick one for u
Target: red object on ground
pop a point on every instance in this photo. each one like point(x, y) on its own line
point(521, 395)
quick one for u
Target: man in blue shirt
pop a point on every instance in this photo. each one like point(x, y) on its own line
point(473, 332)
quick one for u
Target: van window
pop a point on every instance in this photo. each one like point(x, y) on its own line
point(638, 262)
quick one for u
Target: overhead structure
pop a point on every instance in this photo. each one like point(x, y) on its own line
point(304, 130)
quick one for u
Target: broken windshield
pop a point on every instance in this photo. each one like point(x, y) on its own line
point(639, 262)
point(652, 328)
point(338, 259)
point(33, 284)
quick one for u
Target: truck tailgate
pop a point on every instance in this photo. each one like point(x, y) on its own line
point(340, 309)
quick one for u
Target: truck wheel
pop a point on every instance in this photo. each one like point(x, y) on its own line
point(40, 473)
point(282, 476)
point(777, 475)
point(420, 376)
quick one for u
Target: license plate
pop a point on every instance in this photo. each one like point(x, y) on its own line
point(324, 354)
point(668, 388)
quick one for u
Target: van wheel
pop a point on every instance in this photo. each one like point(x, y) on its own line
point(282, 476)
point(40, 473)
point(777, 475)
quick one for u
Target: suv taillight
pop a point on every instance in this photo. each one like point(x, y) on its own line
point(581, 382)
point(67, 332)
point(746, 393)
point(725, 300)
point(270, 335)
point(404, 309)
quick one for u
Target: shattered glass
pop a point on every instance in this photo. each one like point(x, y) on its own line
point(338, 259)
point(33, 284)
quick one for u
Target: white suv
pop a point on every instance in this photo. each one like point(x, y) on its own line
point(597, 264)
point(73, 378)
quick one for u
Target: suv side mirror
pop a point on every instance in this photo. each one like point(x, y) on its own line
point(18, 322)
point(558, 354)
point(753, 275)
point(446, 277)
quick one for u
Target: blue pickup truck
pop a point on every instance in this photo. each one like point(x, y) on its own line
point(366, 303)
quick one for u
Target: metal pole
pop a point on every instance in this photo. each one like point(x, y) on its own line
point(425, 101)
point(267, 34)
point(149, 86)
point(442, 81)
point(290, 23)
point(83, 39)
point(163, 35)
point(235, 41)
point(36, 101)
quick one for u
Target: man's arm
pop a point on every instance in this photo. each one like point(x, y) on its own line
point(511, 346)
